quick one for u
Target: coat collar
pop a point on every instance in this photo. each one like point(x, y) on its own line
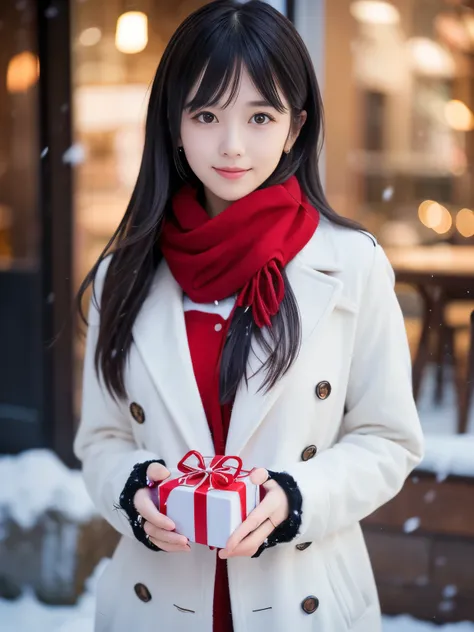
point(160, 335)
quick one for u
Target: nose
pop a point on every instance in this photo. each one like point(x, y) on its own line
point(232, 144)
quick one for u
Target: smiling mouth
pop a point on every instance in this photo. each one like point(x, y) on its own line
point(231, 173)
point(231, 169)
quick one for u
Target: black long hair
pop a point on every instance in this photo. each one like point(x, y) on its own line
point(211, 46)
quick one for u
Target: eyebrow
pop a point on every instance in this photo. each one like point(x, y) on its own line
point(253, 104)
point(261, 103)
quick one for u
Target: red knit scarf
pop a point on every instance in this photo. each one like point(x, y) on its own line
point(242, 250)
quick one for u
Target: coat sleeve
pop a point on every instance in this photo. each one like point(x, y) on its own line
point(381, 439)
point(104, 441)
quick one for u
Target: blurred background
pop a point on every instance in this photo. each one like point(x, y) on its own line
point(397, 79)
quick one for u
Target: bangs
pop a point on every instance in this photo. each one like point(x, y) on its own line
point(218, 72)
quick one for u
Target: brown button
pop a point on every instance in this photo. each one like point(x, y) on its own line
point(323, 390)
point(303, 546)
point(137, 412)
point(309, 452)
point(142, 592)
point(310, 604)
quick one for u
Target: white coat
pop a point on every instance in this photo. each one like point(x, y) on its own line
point(367, 434)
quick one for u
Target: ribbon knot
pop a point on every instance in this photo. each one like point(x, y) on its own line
point(219, 473)
point(263, 293)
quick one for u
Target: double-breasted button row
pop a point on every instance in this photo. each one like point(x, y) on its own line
point(323, 389)
point(137, 412)
point(310, 604)
point(142, 592)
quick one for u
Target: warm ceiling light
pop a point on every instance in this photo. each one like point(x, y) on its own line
point(90, 37)
point(465, 222)
point(131, 35)
point(22, 72)
point(374, 12)
point(459, 116)
point(430, 59)
point(446, 222)
point(430, 213)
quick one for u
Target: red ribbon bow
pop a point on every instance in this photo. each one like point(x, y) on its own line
point(219, 473)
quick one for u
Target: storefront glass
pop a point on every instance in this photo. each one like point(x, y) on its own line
point(115, 55)
point(19, 150)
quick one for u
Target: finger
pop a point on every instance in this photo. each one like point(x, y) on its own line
point(259, 476)
point(146, 508)
point(157, 472)
point(253, 521)
point(170, 548)
point(170, 537)
point(249, 545)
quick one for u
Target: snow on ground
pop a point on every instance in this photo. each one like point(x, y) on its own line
point(407, 624)
point(445, 451)
point(27, 613)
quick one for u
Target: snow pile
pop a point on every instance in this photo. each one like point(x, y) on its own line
point(27, 613)
point(36, 481)
point(448, 454)
point(405, 623)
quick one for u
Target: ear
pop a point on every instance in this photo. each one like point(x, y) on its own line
point(295, 131)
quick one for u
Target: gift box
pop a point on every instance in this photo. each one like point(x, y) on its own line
point(208, 497)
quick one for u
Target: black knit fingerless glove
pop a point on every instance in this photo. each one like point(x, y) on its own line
point(289, 528)
point(137, 480)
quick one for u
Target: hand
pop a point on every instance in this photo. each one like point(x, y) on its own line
point(159, 527)
point(248, 537)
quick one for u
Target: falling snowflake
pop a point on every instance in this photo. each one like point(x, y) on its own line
point(387, 194)
point(450, 591)
point(429, 496)
point(411, 524)
point(75, 155)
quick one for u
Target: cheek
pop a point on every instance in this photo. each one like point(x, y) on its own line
point(270, 140)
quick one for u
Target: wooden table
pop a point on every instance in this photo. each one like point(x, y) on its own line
point(440, 273)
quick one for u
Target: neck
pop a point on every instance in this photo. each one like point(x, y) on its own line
point(214, 205)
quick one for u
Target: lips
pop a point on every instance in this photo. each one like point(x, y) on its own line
point(231, 172)
point(230, 169)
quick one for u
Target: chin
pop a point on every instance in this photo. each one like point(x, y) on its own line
point(232, 190)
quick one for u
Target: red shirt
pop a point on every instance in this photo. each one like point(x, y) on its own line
point(206, 336)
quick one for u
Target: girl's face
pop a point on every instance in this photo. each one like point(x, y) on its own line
point(249, 135)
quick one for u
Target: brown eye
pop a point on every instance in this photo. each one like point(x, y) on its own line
point(206, 117)
point(261, 119)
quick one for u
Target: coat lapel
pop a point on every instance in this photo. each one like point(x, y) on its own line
point(316, 294)
point(160, 335)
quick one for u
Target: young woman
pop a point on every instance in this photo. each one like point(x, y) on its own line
point(234, 312)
